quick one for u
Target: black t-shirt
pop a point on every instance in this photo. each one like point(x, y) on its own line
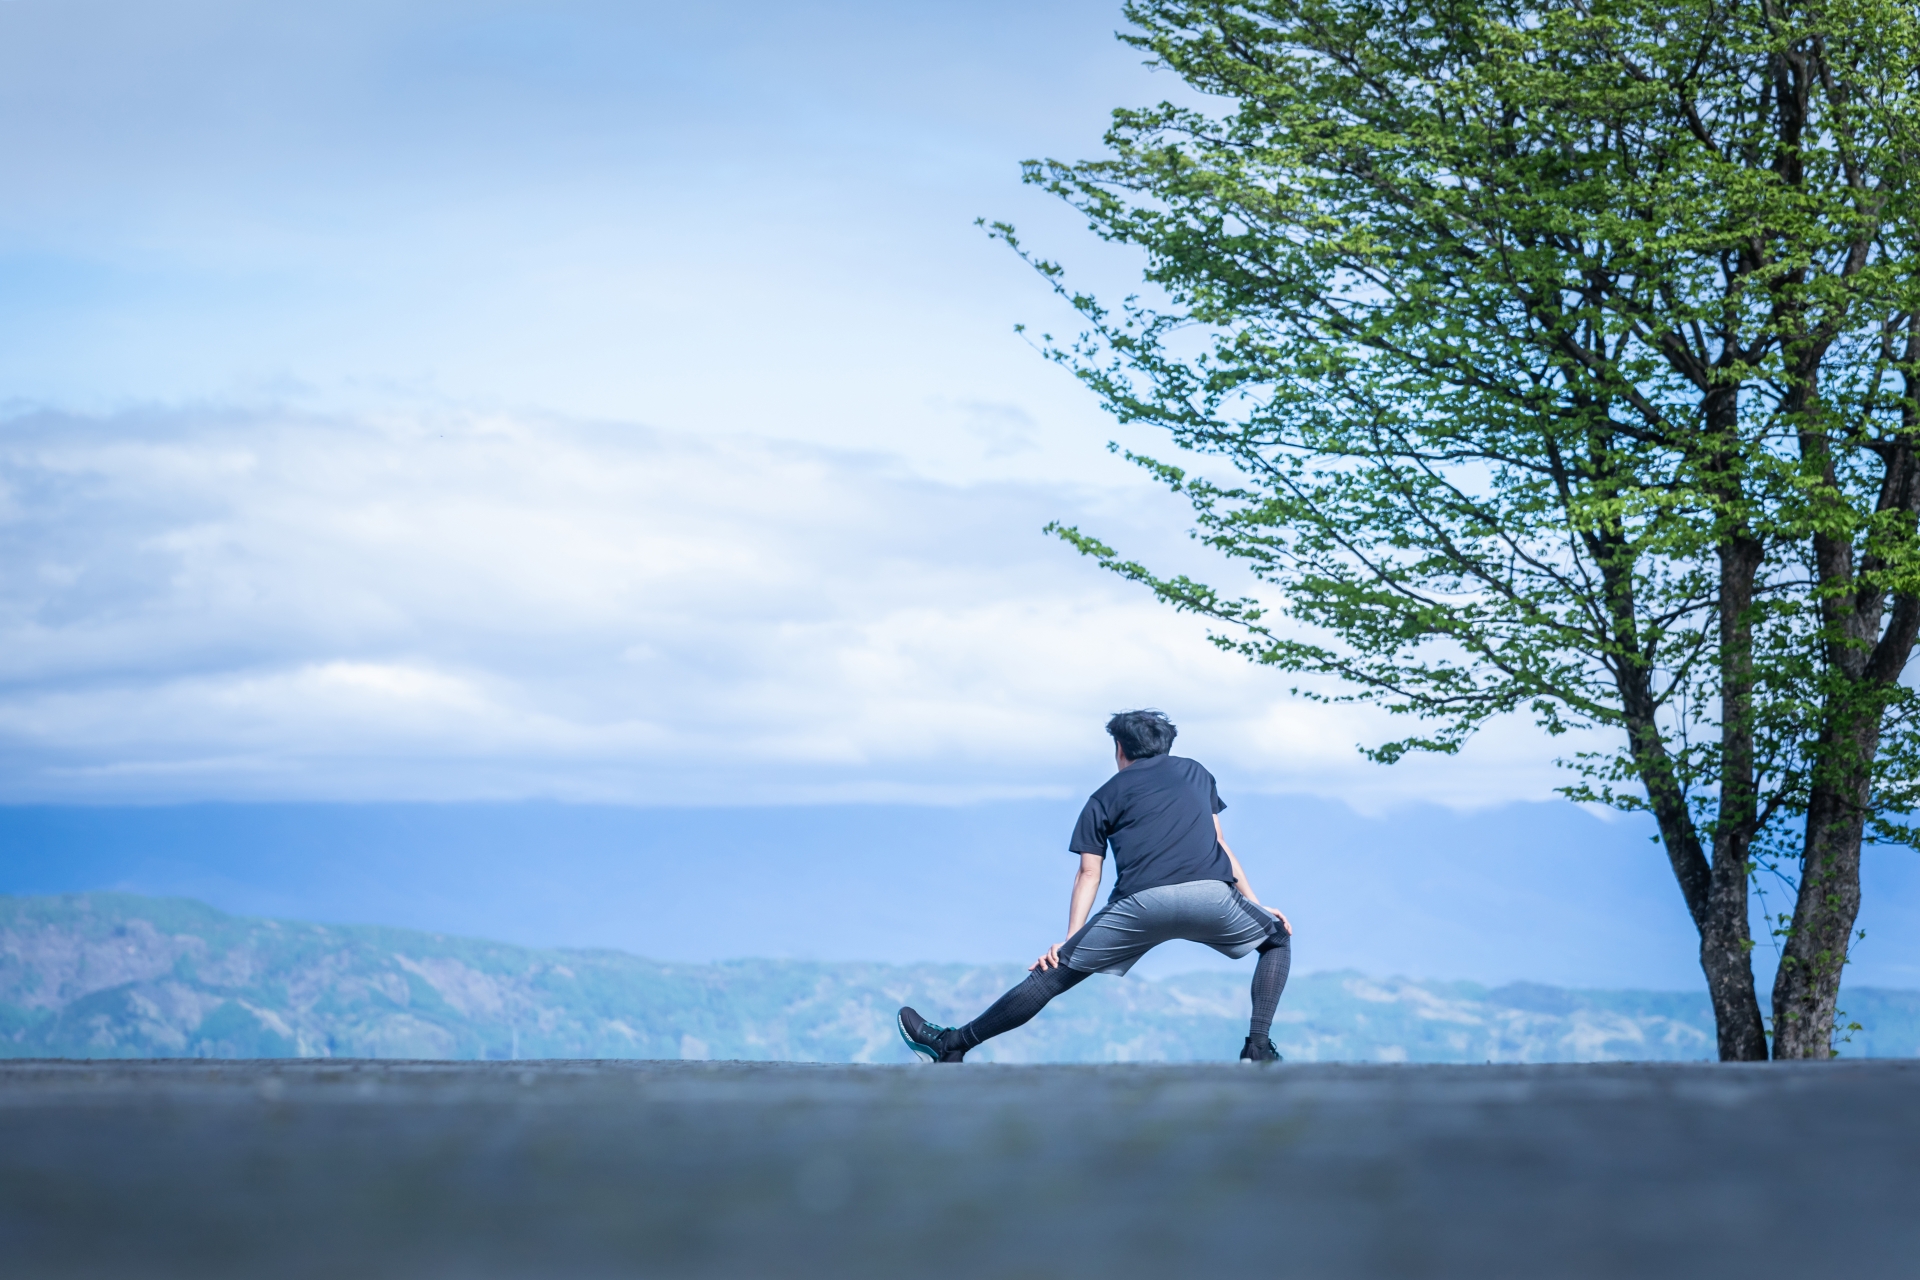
point(1157, 813)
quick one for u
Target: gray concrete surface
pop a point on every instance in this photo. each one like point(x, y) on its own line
point(608, 1169)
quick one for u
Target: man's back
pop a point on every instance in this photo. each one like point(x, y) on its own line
point(1157, 813)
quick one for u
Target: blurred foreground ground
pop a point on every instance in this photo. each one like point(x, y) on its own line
point(736, 1171)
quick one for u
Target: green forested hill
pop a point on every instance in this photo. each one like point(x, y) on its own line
point(114, 975)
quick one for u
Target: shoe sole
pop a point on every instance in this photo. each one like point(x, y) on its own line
point(925, 1051)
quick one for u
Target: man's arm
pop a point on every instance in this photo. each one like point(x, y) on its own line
point(1240, 881)
point(1086, 886)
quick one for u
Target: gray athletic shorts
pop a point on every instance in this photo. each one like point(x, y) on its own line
point(1212, 912)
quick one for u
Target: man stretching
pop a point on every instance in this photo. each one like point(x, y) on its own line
point(1175, 878)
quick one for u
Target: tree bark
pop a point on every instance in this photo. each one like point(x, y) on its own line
point(1726, 940)
point(1716, 892)
point(1866, 664)
point(1806, 989)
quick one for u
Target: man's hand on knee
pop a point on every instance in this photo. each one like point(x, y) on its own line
point(1048, 961)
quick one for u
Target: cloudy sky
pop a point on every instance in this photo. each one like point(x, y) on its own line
point(574, 401)
point(614, 404)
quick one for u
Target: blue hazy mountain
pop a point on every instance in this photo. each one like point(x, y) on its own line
point(117, 975)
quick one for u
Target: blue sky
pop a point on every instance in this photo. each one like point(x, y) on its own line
point(498, 406)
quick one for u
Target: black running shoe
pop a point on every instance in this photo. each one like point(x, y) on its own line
point(1260, 1051)
point(926, 1039)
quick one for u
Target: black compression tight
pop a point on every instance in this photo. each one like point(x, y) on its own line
point(1017, 1007)
point(1269, 980)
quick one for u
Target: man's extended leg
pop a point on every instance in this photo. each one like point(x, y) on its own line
point(1269, 980)
point(1014, 1009)
point(1017, 1007)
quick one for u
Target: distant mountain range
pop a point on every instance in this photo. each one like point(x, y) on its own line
point(115, 975)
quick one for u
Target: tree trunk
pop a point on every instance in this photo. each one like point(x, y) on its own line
point(1806, 990)
point(1726, 940)
point(1726, 947)
point(1716, 893)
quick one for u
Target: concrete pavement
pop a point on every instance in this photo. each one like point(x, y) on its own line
point(729, 1171)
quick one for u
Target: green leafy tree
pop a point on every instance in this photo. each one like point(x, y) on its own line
point(1564, 355)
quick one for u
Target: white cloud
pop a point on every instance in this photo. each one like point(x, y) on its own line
point(754, 223)
point(261, 605)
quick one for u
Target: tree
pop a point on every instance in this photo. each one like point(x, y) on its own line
point(1564, 354)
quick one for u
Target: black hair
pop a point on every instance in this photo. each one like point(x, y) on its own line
point(1142, 733)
